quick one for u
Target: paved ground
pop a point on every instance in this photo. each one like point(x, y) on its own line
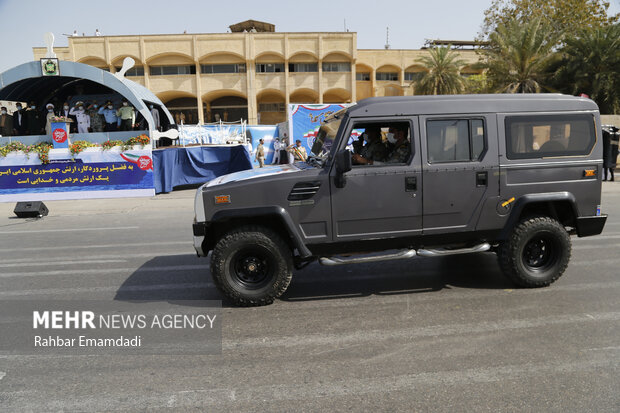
point(444, 334)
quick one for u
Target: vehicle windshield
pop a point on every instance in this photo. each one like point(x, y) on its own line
point(325, 137)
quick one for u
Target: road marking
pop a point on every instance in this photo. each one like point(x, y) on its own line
point(73, 247)
point(119, 289)
point(47, 263)
point(56, 260)
point(106, 271)
point(39, 231)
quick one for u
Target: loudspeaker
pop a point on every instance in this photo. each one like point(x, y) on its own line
point(33, 209)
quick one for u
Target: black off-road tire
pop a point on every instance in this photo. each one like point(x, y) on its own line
point(536, 253)
point(252, 266)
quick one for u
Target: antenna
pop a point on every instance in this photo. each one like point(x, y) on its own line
point(387, 38)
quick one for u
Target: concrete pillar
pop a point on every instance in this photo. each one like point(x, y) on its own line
point(353, 82)
point(373, 82)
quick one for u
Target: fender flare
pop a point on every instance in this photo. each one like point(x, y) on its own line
point(529, 199)
point(258, 212)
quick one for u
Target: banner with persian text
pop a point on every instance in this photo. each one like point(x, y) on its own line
point(305, 121)
point(93, 173)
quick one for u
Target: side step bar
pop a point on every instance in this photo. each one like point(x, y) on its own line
point(358, 260)
point(439, 252)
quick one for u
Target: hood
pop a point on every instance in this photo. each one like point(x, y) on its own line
point(253, 173)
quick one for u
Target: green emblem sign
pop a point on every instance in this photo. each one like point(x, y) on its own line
point(50, 67)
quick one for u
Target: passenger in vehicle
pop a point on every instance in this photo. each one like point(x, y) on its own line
point(401, 148)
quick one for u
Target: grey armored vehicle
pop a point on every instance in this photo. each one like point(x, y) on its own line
point(438, 175)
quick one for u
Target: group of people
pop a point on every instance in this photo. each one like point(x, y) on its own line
point(281, 151)
point(84, 117)
point(371, 150)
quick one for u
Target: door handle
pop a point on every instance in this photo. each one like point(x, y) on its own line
point(482, 178)
point(411, 183)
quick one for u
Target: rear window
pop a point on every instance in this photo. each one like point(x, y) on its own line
point(543, 136)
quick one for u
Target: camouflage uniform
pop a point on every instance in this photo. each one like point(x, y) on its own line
point(400, 154)
point(375, 151)
point(96, 120)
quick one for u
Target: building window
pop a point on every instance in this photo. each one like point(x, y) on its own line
point(337, 67)
point(226, 68)
point(172, 70)
point(303, 67)
point(455, 140)
point(387, 76)
point(413, 76)
point(362, 76)
point(134, 71)
point(539, 136)
point(271, 107)
point(269, 67)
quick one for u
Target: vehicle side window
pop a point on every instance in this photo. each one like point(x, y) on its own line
point(542, 136)
point(380, 143)
point(455, 140)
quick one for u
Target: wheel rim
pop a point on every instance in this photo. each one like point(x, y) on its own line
point(540, 253)
point(252, 267)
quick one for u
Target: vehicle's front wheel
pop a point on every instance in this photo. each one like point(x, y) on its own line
point(252, 266)
point(536, 253)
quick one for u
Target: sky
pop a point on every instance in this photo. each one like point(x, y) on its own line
point(24, 22)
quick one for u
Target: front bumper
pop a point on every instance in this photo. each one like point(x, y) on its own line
point(587, 226)
point(200, 232)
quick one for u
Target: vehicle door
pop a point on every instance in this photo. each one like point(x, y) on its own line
point(460, 169)
point(380, 200)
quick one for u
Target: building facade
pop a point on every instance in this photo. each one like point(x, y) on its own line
point(252, 75)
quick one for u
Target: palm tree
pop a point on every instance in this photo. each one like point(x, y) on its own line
point(442, 76)
point(518, 57)
point(590, 64)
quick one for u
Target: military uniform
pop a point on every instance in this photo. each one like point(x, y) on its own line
point(299, 153)
point(400, 154)
point(96, 120)
point(260, 155)
point(82, 118)
point(128, 117)
point(375, 151)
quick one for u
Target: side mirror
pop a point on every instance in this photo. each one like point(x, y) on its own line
point(343, 164)
point(343, 161)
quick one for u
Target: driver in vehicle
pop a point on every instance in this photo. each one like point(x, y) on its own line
point(374, 150)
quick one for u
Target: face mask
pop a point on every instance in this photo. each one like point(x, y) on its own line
point(391, 138)
point(3, 112)
point(81, 108)
point(95, 106)
point(19, 108)
point(33, 107)
point(66, 107)
point(50, 110)
point(110, 107)
point(124, 103)
point(151, 107)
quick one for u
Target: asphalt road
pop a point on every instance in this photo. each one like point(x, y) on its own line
point(441, 334)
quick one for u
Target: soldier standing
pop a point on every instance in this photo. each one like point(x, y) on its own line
point(82, 118)
point(96, 120)
point(260, 154)
point(127, 116)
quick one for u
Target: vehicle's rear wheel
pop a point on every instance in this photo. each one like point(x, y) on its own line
point(252, 266)
point(536, 253)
